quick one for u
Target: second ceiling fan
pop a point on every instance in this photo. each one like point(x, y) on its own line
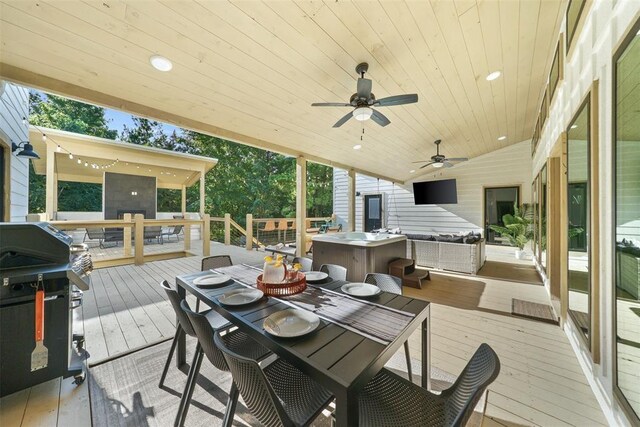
point(363, 100)
point(439, 160)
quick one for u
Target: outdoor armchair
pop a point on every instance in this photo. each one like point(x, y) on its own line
point(390, 400)
point(237, 341)
point(336, 272)
point(173, 231)
point(392, 285)
point(278, 394)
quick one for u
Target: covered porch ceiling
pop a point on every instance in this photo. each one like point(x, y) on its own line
point(248, 71)
point(172, 170)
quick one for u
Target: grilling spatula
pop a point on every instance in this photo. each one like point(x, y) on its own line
point(40, 354)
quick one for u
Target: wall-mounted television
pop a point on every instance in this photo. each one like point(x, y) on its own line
point(441, 192)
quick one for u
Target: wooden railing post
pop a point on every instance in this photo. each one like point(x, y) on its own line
point(127, 235)
point(227, 229)
point(249, 228)
point(139, 244)
point(187, 236)
point(206, 235)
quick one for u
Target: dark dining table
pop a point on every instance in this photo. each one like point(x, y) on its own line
point(340, 357)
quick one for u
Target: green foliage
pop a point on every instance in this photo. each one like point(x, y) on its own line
point(73, 116)
point(245, 180)
point(518, 228)
point(169, 200)
point(79, 197)
point(66, 114)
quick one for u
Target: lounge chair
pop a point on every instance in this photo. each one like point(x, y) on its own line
point(173, 231)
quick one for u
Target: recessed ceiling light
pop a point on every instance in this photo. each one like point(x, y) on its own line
point(502, 138)
point(494, 75)
point(412, 171)
point(160, 63)
point(357, 147)
point(574, 126)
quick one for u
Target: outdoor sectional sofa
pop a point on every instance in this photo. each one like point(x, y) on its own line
point(463, 254)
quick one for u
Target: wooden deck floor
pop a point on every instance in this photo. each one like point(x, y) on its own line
point(540, 384)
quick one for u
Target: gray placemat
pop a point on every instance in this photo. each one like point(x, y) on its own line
point(374, 321)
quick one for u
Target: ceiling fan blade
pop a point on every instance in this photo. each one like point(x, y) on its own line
point(446, 164)
point(364, 88)
point(379, 118)
point(458, 159)
point(428, 164)
point(423, 161)
point(330, 104)
point(343, 120)
point(397, 100)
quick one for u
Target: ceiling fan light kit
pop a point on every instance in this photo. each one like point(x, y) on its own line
point(363, 100)
point(362, 113)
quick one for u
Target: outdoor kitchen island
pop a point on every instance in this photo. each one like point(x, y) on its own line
point(360, 253)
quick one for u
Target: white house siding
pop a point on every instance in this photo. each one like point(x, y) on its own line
point(605, 24)
point(13, 107)
point(510, 166)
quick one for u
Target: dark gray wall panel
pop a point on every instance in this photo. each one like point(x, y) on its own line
point(129, 194)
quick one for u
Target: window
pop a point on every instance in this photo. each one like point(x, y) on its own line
point(578, 255)
point(542, 202)
point(555, 75)
point(574, 11)
point(626, 319)
point(544, 110)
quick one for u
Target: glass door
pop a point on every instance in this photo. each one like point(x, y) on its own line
point(372, 212)
point(498, 201)
point(578, 257)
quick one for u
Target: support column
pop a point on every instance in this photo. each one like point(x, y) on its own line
point(201, 193)
point(55, 193)
point(351, 198)
point(206, 235)
point(50, 190)
point(183, 205)
point(301, 206)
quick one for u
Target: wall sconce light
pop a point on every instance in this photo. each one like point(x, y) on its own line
point(26, 152)
point(134, 193)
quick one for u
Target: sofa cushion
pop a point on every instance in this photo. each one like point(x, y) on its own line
point(450, 239)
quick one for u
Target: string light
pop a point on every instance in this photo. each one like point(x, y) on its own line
point(60, 149)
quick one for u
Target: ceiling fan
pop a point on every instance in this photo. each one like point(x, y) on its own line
point(440, 160)
point(363, 100)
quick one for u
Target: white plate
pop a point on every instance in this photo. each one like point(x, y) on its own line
point(240, 296)
point(291, 323)
point(211, 279)
point(315, 276)
point(361, 290)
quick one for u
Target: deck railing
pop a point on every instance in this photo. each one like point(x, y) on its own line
point(133, 232)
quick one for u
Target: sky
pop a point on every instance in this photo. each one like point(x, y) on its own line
point(117, 119)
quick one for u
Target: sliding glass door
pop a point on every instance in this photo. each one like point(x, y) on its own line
point(627, 222)
point(498, 201)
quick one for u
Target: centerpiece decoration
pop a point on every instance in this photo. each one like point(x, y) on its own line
point(281, 279)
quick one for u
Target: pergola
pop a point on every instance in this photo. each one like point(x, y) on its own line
point(67, 156)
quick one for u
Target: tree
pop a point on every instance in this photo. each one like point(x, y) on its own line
point(73, 116)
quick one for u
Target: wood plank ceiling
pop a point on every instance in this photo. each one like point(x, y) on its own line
point(249, 70)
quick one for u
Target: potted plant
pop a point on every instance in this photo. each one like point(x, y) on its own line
point(518, 228)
